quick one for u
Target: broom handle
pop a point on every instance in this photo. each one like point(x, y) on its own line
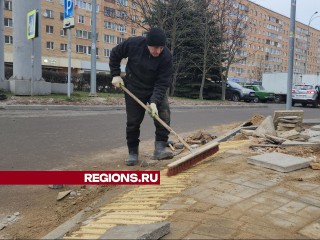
point(156, 117)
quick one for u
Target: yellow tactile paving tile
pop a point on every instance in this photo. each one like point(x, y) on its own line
point(95, 225)
point(124, 221)
point(140, 205)
point(146, 213)
point(83, 236)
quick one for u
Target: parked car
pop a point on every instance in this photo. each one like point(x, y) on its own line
point(305, 94)
point(236, 92)
point(262, 95)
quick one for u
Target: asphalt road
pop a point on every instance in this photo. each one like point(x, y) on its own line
point(43, 140)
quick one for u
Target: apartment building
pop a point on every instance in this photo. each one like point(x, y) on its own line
point(266, 47)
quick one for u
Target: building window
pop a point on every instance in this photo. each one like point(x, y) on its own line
point(122, 2)
point(49, 29)
point(63, 47)
point(8, 22)
point(84, 34)
point(80, 49)
point(106, 52)
point(61, 2)
point(61, 16)
point(121, 14)
point(63, 32)
point(8, 5)
point(81, 19)
point(49, 0)
point(49, 45)
point(120, 40)
point(110, 12)
point(8, 39)
point(110, 25)
point(48, 13)
point(133, 31)
point(110, 1)
point(109, 39)
point(88, 50)
point(121, 28)
point(134, 5)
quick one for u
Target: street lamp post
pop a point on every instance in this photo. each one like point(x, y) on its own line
point(308, 35)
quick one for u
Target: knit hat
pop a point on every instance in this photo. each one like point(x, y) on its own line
point(156, 37)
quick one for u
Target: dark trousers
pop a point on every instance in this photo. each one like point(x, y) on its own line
point(135, 115)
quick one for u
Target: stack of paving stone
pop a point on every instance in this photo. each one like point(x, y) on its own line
point(288, 124)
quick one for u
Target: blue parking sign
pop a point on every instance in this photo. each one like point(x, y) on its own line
point(68, 8)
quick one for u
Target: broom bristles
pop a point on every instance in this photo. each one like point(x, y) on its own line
point(191, 159)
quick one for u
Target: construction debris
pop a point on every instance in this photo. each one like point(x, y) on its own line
point(63, 194)
point(199, 138)
point(285, 133)
point(266, 127)
point(315, 166)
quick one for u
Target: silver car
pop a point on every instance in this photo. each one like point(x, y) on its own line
point(305, 94)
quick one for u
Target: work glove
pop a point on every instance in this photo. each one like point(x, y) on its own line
point(153, 110)
point(117, 81)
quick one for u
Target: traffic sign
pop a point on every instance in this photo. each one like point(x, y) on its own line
point(68, 8)
point(68, 21)
point(32, 24)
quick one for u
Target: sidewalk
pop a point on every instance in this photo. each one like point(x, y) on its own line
point(223, 197)
point(119, 107)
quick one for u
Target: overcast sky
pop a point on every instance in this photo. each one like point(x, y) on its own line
point(304, 9)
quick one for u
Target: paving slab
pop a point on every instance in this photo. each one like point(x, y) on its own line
point(279, 161)
point(311, 231)
point(138, 231)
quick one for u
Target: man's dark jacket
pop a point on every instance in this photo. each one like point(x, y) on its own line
point(145, 75)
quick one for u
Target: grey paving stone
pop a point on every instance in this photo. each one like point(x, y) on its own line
point(293, 207)
point(138, 231)
point(221, 199)
point(179, 229)
point(178, 203)
point(254, 185)
point(286, 220)
point(270, 199)
point(198, 236)
point(305, 186)
point(279, 161)
point(216, 210)
point(310, 212)
point(261, 209)
point(267, 231)
point(311, 231)
point(309, 199)
point(184, 215)
point(214, 231)
point(247, 193)
point(200, 207)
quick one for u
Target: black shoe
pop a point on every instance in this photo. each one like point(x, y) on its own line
point(133, 156)
point(160, 152)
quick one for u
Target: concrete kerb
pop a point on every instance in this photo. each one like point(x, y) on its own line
point(118, 107)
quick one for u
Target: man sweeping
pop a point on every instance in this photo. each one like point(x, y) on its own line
point(148, 76)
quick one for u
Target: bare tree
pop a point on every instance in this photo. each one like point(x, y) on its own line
point(231, 18)
point(169, 15)
point(204, 40)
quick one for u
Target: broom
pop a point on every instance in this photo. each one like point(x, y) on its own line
point(187, 161)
